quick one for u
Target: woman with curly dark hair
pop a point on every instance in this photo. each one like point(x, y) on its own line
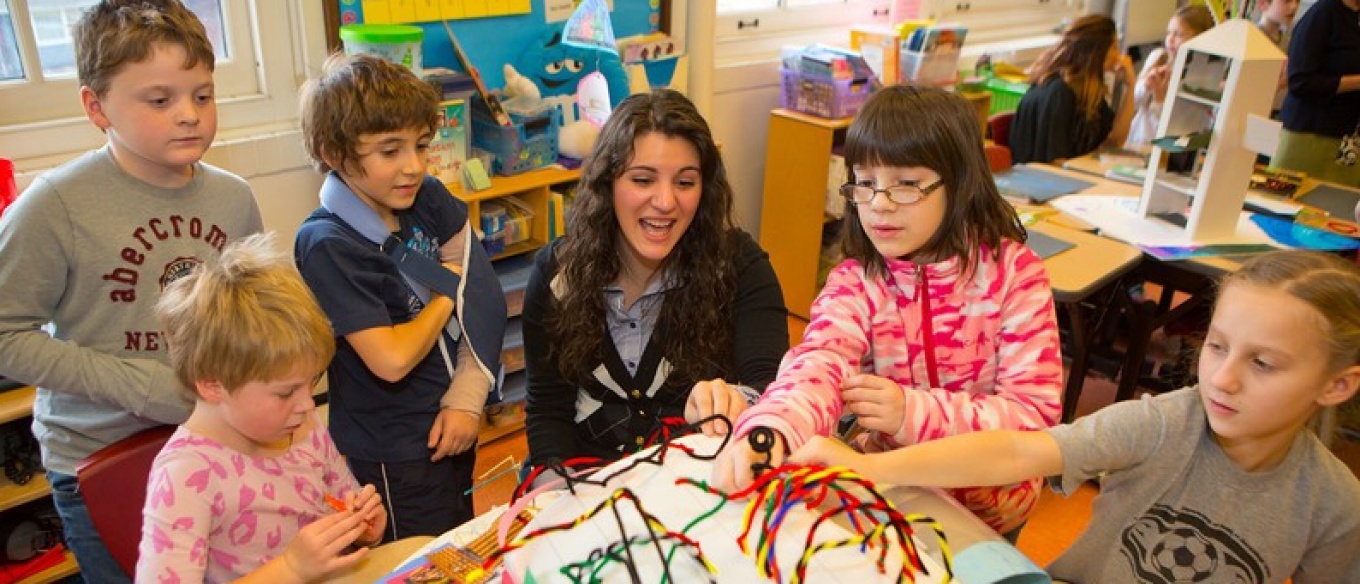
point(654, 305)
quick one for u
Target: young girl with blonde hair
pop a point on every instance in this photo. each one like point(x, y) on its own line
point(251, 488)
point(1165, 463)
point(1150, 91)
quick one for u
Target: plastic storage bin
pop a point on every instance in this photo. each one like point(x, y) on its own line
point(512, 351)
point(529, 143)
point(1005, 94)
point(514, 276)
point(823, 97)
point(398, 43)
point(505, 222)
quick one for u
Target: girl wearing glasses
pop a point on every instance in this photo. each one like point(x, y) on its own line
point(939, 321)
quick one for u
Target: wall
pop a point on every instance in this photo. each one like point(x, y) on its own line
point(736, 88)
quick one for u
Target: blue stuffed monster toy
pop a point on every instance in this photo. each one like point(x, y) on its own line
point(556, 67)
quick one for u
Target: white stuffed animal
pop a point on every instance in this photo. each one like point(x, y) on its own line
point(517, 85)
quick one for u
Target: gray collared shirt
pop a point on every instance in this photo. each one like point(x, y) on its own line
point(631, 327)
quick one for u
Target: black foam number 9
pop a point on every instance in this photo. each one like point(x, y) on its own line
point(762, 442)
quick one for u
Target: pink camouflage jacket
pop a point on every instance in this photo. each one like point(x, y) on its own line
point(995, 354)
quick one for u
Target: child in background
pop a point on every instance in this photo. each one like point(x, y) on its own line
point(244, 490)
point(939, 322)
point(1065, 114)
point(1165, 463)
point(1150, 91)
point(85, 252)
point(1276, 18)
point(418, 349)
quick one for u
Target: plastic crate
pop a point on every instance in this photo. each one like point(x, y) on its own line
point(529, 143)
point(507, 218)
point(514, 276)
point(1005, 94)
point(827, 98)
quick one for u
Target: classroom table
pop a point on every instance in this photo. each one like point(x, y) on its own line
point(1076, 274)
point(977, 550)
point(383, 559)
point(1194, 277)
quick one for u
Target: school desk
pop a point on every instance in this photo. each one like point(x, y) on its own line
point(1193, 277)
point(383, 559)
point(979, 554)
point(1091, 265)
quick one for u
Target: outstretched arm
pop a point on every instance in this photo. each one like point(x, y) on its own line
point(1010, 457)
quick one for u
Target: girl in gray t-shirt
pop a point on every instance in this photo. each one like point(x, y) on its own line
point(1221, 482)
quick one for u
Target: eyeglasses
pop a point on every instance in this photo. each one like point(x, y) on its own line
point(903, 194)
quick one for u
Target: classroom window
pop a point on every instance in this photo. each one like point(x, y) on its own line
point(39, 110)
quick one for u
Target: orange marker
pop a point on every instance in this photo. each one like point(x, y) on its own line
point(335, 503)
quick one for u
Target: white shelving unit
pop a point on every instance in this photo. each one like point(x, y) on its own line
point(1221, 78)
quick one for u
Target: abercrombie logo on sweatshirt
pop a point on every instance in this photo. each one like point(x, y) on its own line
point(125, 277)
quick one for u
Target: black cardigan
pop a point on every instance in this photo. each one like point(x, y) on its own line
point(627, 414)
point(1324, 47)
point(1049, 125)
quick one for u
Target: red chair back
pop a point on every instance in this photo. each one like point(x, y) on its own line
point(113, 482)
point(999, 126)
point(998, 157)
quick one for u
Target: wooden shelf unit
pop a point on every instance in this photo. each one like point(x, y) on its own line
point(791, 210)
point(16, 404)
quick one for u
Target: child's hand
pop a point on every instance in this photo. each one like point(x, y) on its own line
point(1124, 68)
point(453, 432)
point(317, 552)
point(732, 470)
point(1157, 79)
point(827, 452)
point(367, 504)
point(878, 401)
point(714, 397)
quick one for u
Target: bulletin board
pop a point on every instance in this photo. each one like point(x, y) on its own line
point(412, 11)
point(492, 32)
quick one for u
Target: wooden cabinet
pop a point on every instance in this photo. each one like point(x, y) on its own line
point(993, 20)
point(534, 189)
point(17, 404)
point(792, 209)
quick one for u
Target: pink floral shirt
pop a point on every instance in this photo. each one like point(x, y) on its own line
point(995, 350)
point(213, 514)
